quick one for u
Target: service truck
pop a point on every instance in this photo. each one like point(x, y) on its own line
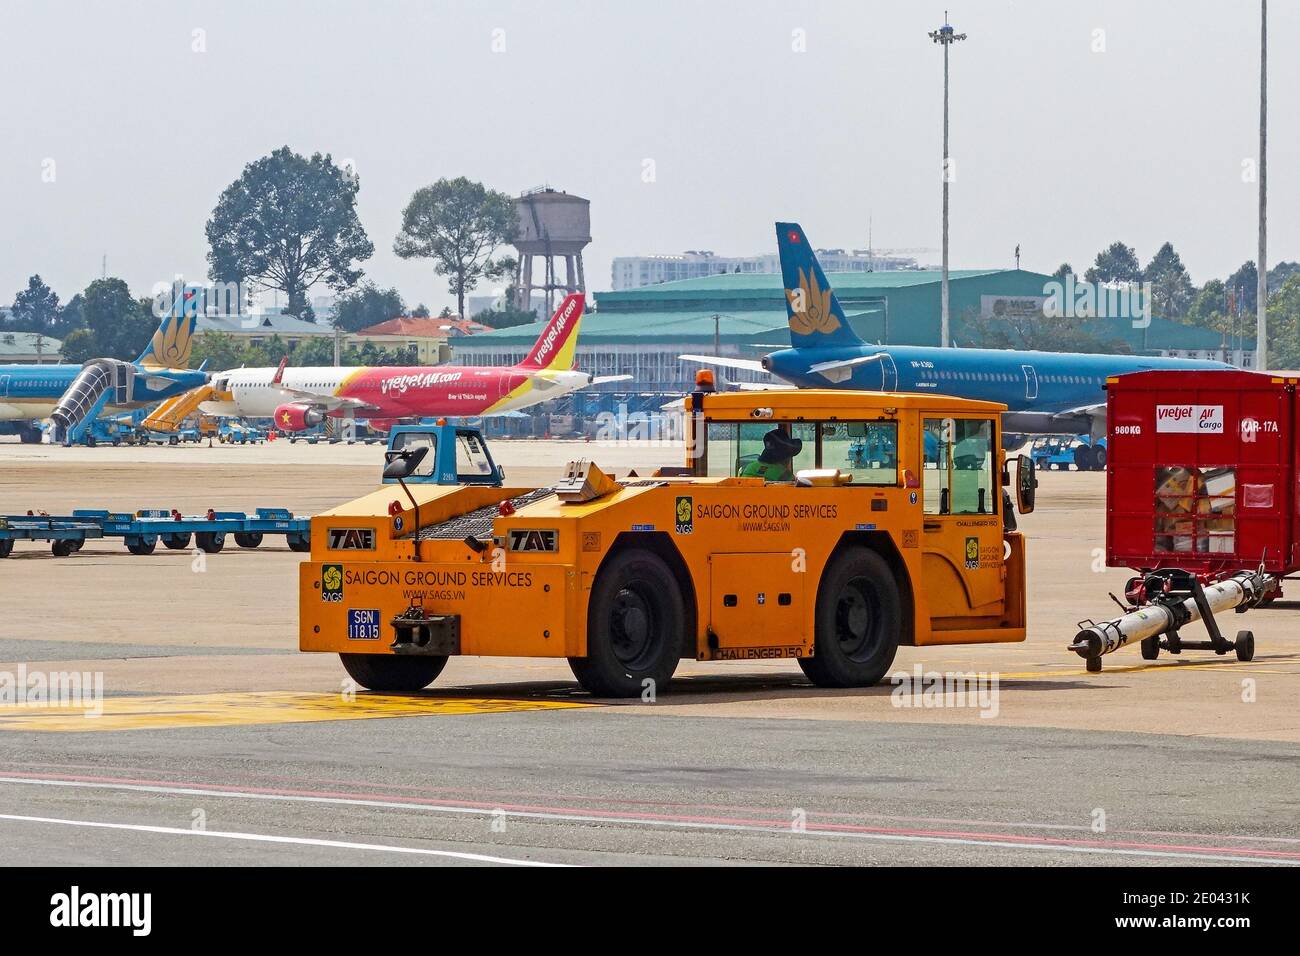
point(780, 537)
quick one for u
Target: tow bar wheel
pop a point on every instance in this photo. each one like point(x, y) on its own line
point(635, 622)
point(859, 619)
point(1245, 646)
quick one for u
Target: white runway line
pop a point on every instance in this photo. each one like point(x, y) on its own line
point(1226, 856)
point(268, 838)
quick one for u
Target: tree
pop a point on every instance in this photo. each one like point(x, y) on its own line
point(421, 311)
point(1171, 286)
point(506, 318)
point(71, 317)
point(1209, 309)
point(365, 306)
point(288, 223)
point(1036, 331)
point(1063, 270)
point(1244, 284)
point(36, 308)
point(117, 325)
point(458, 224)
point(1284, 325)
point(1116, 263)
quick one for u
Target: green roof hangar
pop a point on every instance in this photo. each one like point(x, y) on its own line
point(640, 332)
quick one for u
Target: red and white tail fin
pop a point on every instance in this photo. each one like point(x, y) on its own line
point(279, 372)
point(555, 347)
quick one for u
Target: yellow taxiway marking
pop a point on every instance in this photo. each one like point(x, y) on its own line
point(263, 707)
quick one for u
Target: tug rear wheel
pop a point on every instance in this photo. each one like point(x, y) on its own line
point(1245, 645)
point(391, 672)
point(635, 621)
point(858, 623)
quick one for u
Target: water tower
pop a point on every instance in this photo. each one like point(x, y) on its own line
point(553, 225)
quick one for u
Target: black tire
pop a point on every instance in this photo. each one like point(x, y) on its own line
point(61, 549)
point(249, 539)
point(29, 435)
point(173, 440)
point(90, 441)
point(636, 619)
point(117, 440)
point(176, 542)
point(299, 542)
point(1099, 458)
point(859, 622)
point(1083, 457)
point(143, 545)
point(1150, 648)
point(210, 542)
point(6, 547)
point(391, 672)
point(1245, 646)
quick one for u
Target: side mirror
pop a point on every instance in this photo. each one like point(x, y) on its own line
point(501, 474)
point(1026, 484)
point(400, 464)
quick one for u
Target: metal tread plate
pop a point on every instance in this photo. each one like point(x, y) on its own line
point(479, 521)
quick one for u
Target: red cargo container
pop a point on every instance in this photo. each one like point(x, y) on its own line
point(1202, 472)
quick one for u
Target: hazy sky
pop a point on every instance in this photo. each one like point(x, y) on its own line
point(1057, 147)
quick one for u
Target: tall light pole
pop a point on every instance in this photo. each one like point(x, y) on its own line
point(946, 38)
point(1261, 267)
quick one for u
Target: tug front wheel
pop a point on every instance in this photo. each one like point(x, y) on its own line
point(391, 672)
point(858, 624)
point(635, 621)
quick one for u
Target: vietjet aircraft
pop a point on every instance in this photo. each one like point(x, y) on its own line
point(299, 398)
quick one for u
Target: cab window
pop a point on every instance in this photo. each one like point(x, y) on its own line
point(769, 450)
point(867, 450)
point(958, 466)
point(405, 441)
point(471, 456)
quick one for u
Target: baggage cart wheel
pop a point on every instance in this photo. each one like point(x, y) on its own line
point(76, 544)
point(176, 542)
point(1245, 645)
point(210, 542)
point(249, 539)
point(858, 622)
point(6, 547)
point(61, 549)
point(390, 672)
point(299, 542)
point(143, 544)
point(1150, 648)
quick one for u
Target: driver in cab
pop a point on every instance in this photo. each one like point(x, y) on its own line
point(774, 461)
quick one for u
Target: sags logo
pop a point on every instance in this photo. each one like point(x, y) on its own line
point(534, 539)
point(684, 515)
point(331, 583)
point(352, 539)
point(972, 553)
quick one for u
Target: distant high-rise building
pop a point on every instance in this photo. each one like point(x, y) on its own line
point(633, 272)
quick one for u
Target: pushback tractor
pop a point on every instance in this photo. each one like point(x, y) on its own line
point(824, 526)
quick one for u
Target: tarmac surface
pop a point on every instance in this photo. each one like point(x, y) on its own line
point(216, 742)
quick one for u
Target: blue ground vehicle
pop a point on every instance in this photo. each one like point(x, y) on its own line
point(457, 455)
point(1062, 451)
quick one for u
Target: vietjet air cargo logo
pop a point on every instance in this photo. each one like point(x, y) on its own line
point(1190, 419)
point(556, 330)
point(398, 384)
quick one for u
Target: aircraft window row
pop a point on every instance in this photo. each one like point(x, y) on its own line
point(978, 376)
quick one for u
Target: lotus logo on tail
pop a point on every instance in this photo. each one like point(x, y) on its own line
point(170, 347)
point(810, 306)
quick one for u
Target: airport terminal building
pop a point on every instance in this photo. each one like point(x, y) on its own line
point(641, 332)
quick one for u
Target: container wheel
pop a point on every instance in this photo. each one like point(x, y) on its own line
point(248, 539)
point(298, 542)
point(1150, 648)
point(143, 544)
point(858, 623)
point(61, 549)
point(210, 542)
point(391, 672)
point(635, 621)
point(176, 542)
point(6, 547)
point(1245, 645)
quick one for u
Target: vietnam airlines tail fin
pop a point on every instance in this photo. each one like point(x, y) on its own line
point(555, 347)
point(170, 345)
point(815, 317)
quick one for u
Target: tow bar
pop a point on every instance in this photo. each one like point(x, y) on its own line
point(1162, 602)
